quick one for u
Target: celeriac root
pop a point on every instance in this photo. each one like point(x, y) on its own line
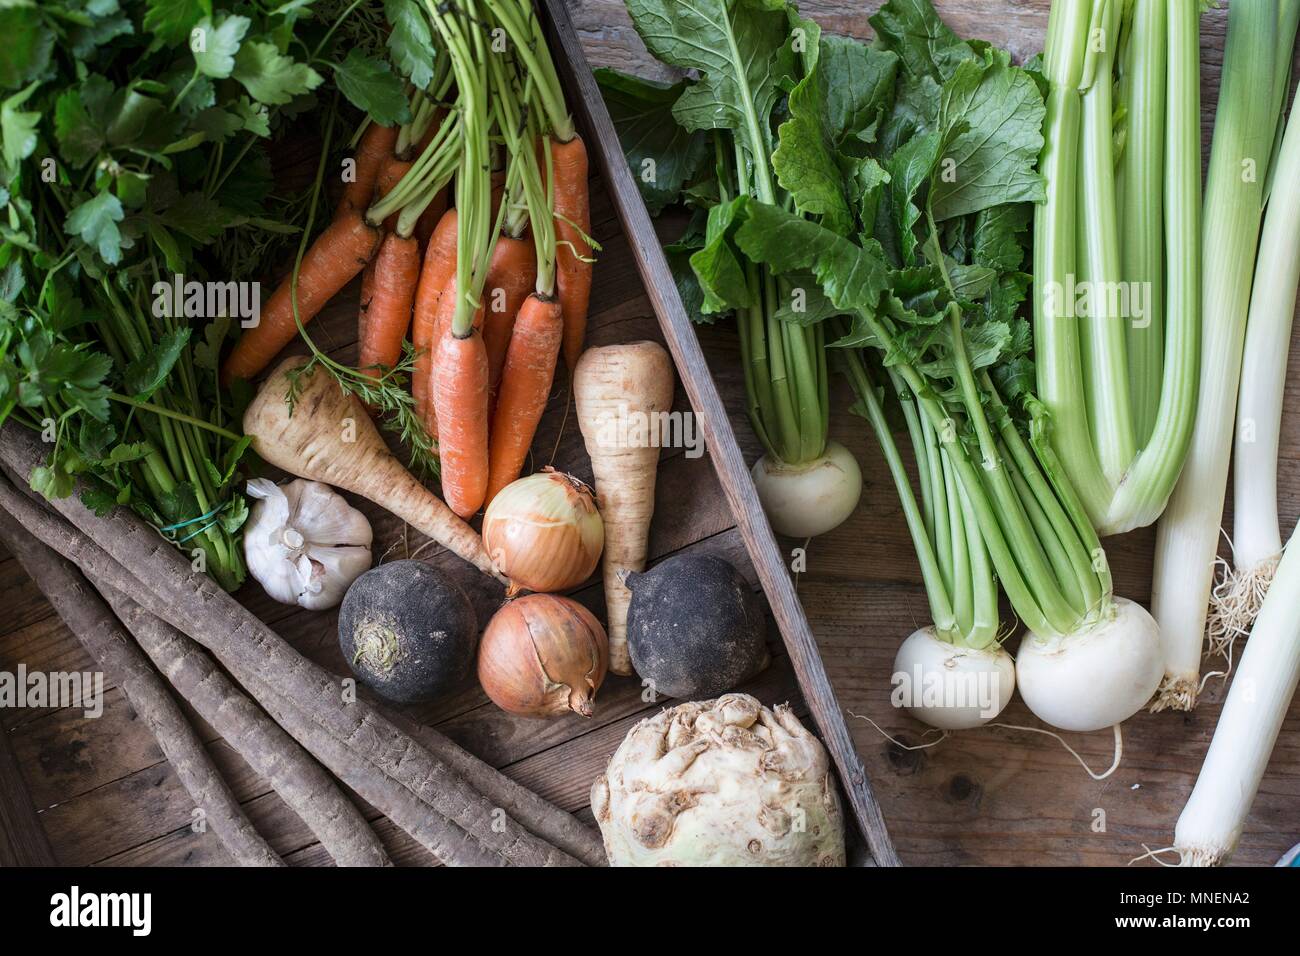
point(93, 624)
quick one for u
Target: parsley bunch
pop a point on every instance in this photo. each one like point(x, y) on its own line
point(134, 141)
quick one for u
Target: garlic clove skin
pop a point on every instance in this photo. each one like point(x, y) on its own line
point(325, 574)
point(325, 518)
point(304, 543)
point(269, 560)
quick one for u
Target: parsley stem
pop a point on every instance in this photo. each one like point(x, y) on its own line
point(176, 416)
point(189, 84)
point(334, 26)
point(221, 181)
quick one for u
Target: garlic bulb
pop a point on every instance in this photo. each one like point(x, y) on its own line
point(304, 543)
point(723, 782)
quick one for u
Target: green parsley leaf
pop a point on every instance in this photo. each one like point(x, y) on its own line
point(18, 127)
point(25, 52)
point(171, 20)
point(146, 374)
point(214, 45)
point(270, 76)
point(373, 88)
point(95, 221)
point(80, 140)
point(411, 41)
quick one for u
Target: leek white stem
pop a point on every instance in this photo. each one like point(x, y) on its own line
point(1188, 533)
point(1257, 538)
point(1210, 825)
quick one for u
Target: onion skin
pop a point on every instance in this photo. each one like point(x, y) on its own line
point(544, 532)
point(543, 655)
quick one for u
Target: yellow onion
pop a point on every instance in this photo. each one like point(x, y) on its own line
point(542, 655)
point(544, 533)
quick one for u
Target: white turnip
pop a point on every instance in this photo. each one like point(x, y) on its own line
point(810, 498)
point(1095, 677)
point(952, 686)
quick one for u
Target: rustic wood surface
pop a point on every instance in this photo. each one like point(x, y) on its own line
point(997, 796)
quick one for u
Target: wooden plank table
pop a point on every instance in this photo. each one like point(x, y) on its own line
point(996, 796)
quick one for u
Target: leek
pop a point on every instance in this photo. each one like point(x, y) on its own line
point(1211, 823)
point(1260, 36)
point(1256, 537)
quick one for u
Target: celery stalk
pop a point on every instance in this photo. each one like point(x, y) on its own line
point(1116, 361)
point(1142, 208)
point(1102, 334)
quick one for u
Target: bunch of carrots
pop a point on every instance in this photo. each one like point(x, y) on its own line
point(471, 224)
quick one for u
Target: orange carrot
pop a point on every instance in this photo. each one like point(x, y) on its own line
point(525, 387)
point(390, 174)
point(387, 314)
point(367, 296)
point(572, 221)
point(375, 148)
point(460, 394)
point(511, 276)
point(438, 269)
point(333, 260)
point(429, 219)
point(443, 313)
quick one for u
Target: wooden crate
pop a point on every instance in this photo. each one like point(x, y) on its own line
point(724, 452)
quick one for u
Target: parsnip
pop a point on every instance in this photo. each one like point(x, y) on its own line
point(622, 392)
point(328, 436)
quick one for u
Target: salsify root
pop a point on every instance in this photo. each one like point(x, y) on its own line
point(94, 625)
point(556, 826)
point(301, 782)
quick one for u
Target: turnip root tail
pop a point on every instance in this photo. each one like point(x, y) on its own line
point(328, 436)
point(621, 390)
